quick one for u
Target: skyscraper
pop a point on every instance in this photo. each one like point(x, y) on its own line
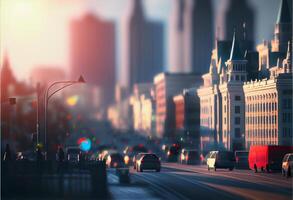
point(239, 17)
point(92, 53)
point(191, 36)
point(142, 46)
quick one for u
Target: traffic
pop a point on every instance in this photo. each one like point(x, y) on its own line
point(277, 159)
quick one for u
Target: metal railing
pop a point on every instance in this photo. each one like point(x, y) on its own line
point(46, 179)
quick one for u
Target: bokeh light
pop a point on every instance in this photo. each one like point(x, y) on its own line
point(84, 144)
point(72, 100)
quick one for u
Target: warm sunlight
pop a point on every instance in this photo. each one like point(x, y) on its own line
point(23, 9)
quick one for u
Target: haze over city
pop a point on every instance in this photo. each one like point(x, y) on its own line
point(41, 27)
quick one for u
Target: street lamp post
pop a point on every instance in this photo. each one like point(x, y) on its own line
point(48, 96)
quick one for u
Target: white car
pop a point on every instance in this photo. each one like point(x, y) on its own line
point(287, 164)
point(221, 159)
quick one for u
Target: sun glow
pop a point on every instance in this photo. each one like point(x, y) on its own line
point(23, 9)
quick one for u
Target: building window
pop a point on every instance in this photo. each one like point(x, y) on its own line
point(284, 132)
point(237, 78)
point(237, 120)
point(284, 103)
point(237, 109)
point(225, 108)
point(237, 133)
point(237, 98)
point(284, 117)
point(225, 120)
point(242, 78)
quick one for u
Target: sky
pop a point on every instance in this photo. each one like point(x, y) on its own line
point(36, 32)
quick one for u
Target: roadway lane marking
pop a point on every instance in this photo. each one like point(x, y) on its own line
point(159, 187)
point(203, 185)
point(231, 175)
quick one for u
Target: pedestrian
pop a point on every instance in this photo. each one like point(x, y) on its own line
point(61, 154)
point(39, 154)
point(60, 159)
point(7, 153)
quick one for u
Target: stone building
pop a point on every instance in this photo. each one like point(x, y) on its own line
point(268, 109)
point(187, 119)
point(231, 81)
point(166, 86)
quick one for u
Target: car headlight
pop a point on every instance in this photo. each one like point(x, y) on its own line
point(126, 159)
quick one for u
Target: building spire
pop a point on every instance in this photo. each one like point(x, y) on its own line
point(235, 53)
point(6, 71)
point(244, 30)
point(284, 15)
point(289, 51)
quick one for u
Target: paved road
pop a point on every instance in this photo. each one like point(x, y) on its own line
point(177, 181)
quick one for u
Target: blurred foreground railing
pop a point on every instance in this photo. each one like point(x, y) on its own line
point(47, 179)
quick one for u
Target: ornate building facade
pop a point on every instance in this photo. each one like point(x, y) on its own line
point(246, 98)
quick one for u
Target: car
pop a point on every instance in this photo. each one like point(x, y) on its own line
point(26, 156)
point(131, 152)
point(73, 154)
point(221, 159)
point(148, 161)
point(241, 160)
point(204, 157)
point(267, 157)
point(287, 164)
point(136, 158)
point(173, 153)
point(114, 160)
point(189, 156)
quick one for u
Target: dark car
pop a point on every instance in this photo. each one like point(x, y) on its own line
point(73, 154)
point(115, 160)
point(173, 153)
point(189, 156)
point(148, 161)
point(131, 152)
point(26, 156)
point(241, 160)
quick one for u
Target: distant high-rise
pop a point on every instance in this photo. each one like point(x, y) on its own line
point(239, 17)
point(92, 53)
point(142, 46)
point(7, 80)
point(191, 36)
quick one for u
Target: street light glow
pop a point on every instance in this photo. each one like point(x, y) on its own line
point(72, 100)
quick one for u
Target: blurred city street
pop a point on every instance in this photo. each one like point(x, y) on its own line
point(146, 99)
point(195, 182)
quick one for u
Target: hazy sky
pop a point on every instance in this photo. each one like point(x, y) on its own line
point(35, 32)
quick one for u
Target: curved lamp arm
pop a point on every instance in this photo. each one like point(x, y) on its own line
point(59, 90)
